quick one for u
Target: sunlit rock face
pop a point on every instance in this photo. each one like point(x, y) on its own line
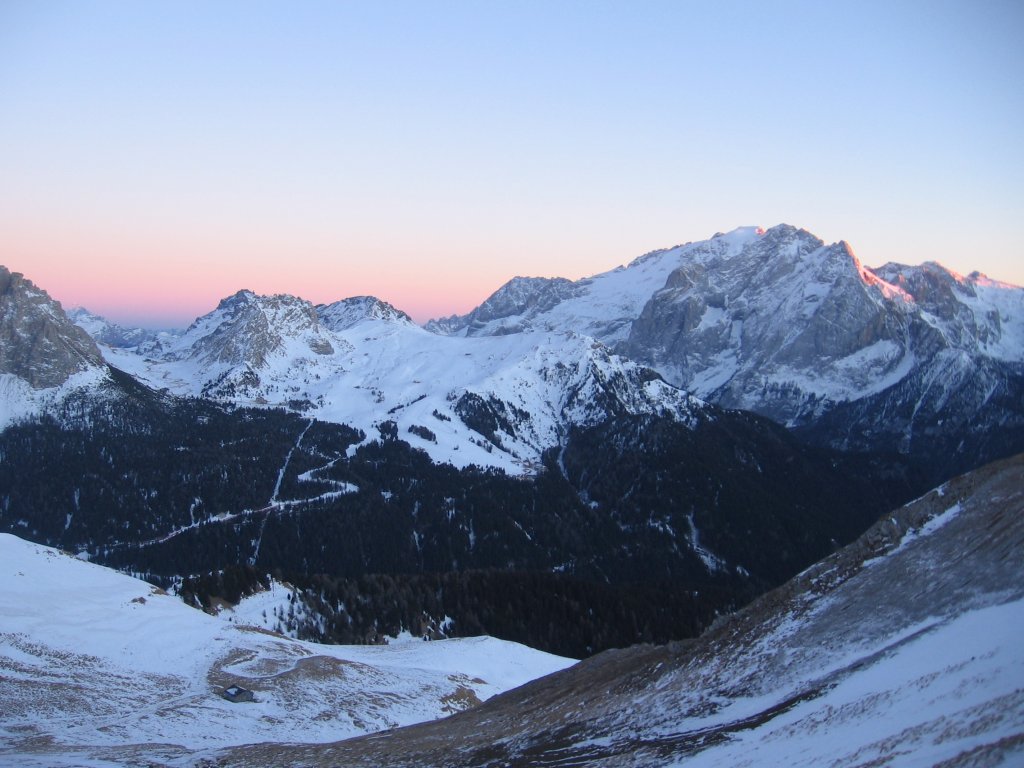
point(913, 359)
point(775, 327)
point(38, 343)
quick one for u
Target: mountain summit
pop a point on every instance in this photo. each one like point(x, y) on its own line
point(497, 402)
point(777, 322)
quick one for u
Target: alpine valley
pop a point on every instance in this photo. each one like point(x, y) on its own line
point(573, 466)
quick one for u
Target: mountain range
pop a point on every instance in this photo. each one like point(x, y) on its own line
point(574, 465)
point(915, 373)
point(918, 361)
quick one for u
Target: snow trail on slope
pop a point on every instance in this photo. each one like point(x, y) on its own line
point(277, 489)
point(288, 458)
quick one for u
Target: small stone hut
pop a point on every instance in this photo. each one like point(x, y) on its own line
point(236, 693)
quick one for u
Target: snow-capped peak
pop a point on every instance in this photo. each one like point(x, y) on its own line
point(247, 329)
point(113, 335)
point(344, 314)
point(779, 322)
point(490, 401)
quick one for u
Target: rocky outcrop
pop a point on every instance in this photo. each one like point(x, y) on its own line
point(246, 329)
point(38, 343)
point(510, 309)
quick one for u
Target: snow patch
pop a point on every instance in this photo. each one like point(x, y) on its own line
point(93, 658)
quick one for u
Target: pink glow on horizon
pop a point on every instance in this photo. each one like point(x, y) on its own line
point(162, 295)
point(175, 303)
point(184, 277)
point(155, 158)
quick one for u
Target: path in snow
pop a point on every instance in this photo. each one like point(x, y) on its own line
point(277, 489)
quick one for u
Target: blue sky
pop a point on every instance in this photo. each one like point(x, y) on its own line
point(427, 152)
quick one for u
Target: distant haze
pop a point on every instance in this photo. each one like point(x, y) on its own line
point(156, 157)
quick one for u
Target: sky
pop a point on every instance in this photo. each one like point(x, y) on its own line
point(158, 156)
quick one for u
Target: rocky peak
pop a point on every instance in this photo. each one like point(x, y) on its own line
point(782, 299)
point(38, 343)
point(342, 315)
point(525, 293)
point(932, 287)
point(518, 301)
point(238, 300)
point(246, 328)
point(782, 235)
point(972, 313)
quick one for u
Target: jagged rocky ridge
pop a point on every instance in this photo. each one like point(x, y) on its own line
point(911, 359)
point(915, 360)
point(491, 402)
point(900, 649)
point(616, 451)
point(521, 298)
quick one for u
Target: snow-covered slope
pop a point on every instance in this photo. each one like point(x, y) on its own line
point(490, 401)
point(97, 668)
point(902, 649)
point(342, 315)
point(113, 335)
point(780, 323)
point(603, 306)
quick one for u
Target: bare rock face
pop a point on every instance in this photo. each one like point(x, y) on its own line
point(38, 343)
point(252, 327)
point(784, 327)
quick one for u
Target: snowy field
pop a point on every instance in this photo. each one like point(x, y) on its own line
point(97, 668)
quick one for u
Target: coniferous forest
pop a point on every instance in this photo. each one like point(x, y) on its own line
point(639, 530)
